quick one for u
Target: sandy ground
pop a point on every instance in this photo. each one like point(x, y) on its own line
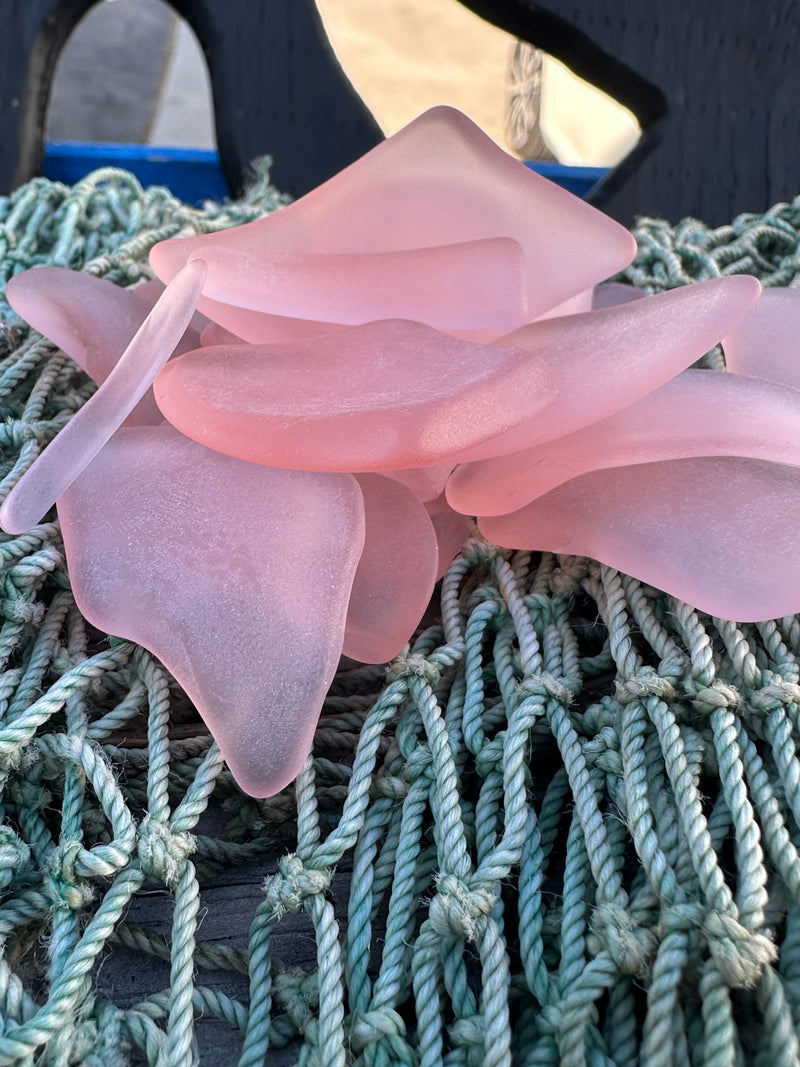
point(404, 56)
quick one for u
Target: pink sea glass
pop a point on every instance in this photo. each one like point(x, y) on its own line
point(396, 573)
point(236, 575)
point(92, 320)
point(258, 327)
point(452, 531)
point(697, 413)
point(607, 359)
point(719, 533)
point(573, 305)
point(426, 483)
point(424, 317)
point(612, 294)
point(83, 437)
point(478, 284)
point(765, 343)
point(440, 181)
point(214, 334)
point(381, 396)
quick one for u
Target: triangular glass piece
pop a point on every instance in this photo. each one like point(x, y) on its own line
point(236, 576)
point(719, 533)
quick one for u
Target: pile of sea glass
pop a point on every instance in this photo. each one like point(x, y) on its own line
point(292, 427)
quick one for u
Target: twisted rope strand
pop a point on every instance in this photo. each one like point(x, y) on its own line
point(571, 809)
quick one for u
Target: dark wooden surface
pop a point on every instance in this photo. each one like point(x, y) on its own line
point(714, 85)
point(279, 90)
point(228, 902)
point(277, 87)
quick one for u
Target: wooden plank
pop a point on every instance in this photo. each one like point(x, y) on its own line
point(228, 902)
point(278, 88)
point(713, 85)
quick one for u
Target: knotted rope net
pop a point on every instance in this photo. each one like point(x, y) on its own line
point(562, 829)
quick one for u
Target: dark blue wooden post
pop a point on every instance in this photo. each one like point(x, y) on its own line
point(714, 85)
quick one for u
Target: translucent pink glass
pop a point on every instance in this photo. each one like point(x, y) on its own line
point(419, 341)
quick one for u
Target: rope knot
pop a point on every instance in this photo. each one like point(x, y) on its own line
point(412, 666)
point(629, 945)
point(390, 786)
point(15, 855)
point(20, 610)
point(569, 578)
point(740, 954)
point(546, 685)
point(603, 751)
point(418, 763)
point(98, 1041)
point(777, 694)
point(549, 1019)
point(370, 1027)
point(681, 918)
point(65, 889)
point(489, 758)
point(469, 1033)
point(458, 910)
point(298, 993)
point(540, 607)
point(642, 685)
point(480, 553)
point(162, 852)
point(293, 884)
point(708, 698)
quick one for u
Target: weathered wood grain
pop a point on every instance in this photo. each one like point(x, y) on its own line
point(278, 89)
point(228, 902)
point(713, 85)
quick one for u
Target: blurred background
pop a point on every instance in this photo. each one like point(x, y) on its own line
point(133, 72)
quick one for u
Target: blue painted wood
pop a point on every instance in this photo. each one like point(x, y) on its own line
point(582, 181)
point(713, 85)
point(195, 174)
point(192, 174)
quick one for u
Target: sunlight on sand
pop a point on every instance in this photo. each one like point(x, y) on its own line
point(404, 56)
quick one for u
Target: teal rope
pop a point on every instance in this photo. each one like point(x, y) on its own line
point(571, 810)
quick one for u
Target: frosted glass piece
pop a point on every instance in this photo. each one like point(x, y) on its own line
point(93, 321)
point(89, 318)
point(150, 291)
point(236, 576)
point(612, 294)
point(719, 533)
point(214, 334)
point(91, 427)
point(452, 531)
point(697, 413)
point(426, 483)
point(257, 327)
point(574, 305)
point(471, 285)
point(439, 181)
point(606, 359)
point(382, 396)
point(396, 573)
point(767, 343)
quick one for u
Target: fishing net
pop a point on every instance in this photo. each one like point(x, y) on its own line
point(562, 828)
